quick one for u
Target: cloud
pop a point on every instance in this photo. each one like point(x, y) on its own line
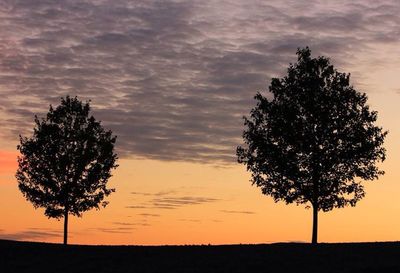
point(136, 207)
point(160, 193)
point(118, 230)
point(168, 200)
point(238, 211)
point(141, 193)
point(149, 215)
point(173, 78)
point(123, 224)
point(120, 227)
point(31, 234)
point(173, 202)
point(177, 202)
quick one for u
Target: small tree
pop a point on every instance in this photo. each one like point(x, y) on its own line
point(315, 141)
point(64, 167)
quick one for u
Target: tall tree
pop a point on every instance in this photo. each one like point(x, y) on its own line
point(64, 167)
point(315, 141)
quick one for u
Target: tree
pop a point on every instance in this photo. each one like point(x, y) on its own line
point(315, 141)
point(64, 167)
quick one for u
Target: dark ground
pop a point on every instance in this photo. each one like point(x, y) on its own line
point(282, 257)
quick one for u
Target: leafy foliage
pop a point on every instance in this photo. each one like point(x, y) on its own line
point(66, 164)
point(316, 140)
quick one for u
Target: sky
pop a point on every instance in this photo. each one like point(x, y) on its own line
point(173, 79)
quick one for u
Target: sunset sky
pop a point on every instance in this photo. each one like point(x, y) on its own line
point(172, 79)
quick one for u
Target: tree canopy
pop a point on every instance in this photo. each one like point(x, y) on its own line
point(64, 167)
point(313, 138)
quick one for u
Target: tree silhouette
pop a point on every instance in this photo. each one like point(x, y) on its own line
point(64, 167)
point(314, 141)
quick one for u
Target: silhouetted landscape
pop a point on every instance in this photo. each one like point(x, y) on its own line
point(137, 108)
point(279, 257)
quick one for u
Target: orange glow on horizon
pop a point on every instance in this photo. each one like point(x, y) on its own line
point(235, 211)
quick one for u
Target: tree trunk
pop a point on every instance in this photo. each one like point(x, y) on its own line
point(66, 227)
point(314, 239)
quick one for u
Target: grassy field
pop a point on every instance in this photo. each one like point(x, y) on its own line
point(282, 257)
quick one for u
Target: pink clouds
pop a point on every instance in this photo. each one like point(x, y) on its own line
point(173, 78)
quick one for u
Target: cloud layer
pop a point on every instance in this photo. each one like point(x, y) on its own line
point(172, 78)
point(31, 234)
point(168, 200)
